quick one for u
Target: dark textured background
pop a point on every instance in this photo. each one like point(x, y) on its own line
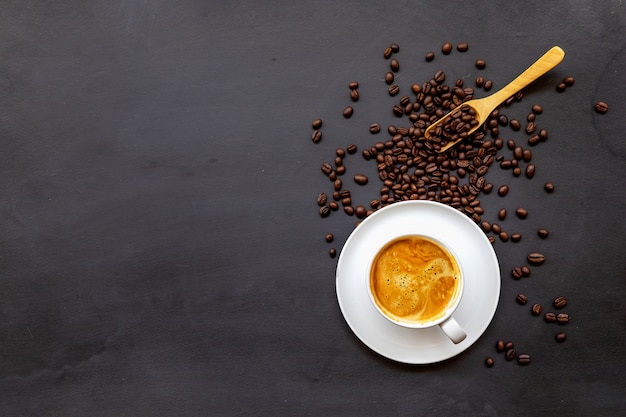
point(160, 248)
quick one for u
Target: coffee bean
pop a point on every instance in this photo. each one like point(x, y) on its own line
point(521, 299)
point(488, 85)
point(327, 168)
point(337, 184)
point(495, 227)
point(462, 47)
point(516, 272)
point(530, 171)
point(549, 187)
point(503, 190)
point(340, 170)
point(347, 112)
point(360, 211)
point(429, 56)
point(389, 77)
point(360, 179)
point(354, 95)
point(536, 258)
point(329, 237)
point(549, 317)
point(398, 111)
point(536, 309)
point(316, 137)
point(486, 226)
point(374, 128)
point(509, 345)
point(353, 85)
point(537, 109)
point(530, 127)
point(489, 362)
point(516, 237)
point(562, 318)
point(500, 346)
point(480, 81)
point(601, 107)
point(324, 211)
point(480, 64)
point(522, 213)
point(387, 53)
point(515, 124)
point(568, 81)
point(543, 233)
point(533, 140)
point(394, 65)
point(349, 210)
point(560, 337)
point(333, 206)
point(525, 271)
point(317, 123)
point(510, 354)
point(559, 302)
point(322, 198)
point(332, 252)
point(446, 48)
point(351, 149)
point(393, 90)
point(502, 214)
point(504, 236)
point(560, 87)
point(523, 359)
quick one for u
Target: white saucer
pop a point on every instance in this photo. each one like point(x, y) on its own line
point(480, 268)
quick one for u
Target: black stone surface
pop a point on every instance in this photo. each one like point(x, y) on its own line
point(160, 248)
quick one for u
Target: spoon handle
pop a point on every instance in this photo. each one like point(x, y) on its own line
point(549, 60)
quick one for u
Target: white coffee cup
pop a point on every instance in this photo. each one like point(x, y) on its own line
point(406, 281)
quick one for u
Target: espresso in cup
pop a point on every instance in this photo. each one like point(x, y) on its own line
point(415, 280)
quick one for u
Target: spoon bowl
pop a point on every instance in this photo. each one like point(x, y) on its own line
point(469, 116)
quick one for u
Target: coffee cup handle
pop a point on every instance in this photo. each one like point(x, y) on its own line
point(452, 329)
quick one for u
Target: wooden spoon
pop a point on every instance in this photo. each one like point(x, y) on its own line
point(484, 106)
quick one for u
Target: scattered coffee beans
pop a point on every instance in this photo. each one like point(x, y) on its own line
point(489, 362)
point(410, 166)
point(560, 337)
point(332, 252)
point(329, 237)
point(543, 233)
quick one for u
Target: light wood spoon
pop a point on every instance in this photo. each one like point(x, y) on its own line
point(484, 106)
